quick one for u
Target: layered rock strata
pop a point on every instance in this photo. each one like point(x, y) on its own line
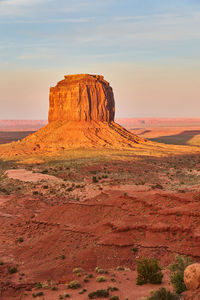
point(82, 98)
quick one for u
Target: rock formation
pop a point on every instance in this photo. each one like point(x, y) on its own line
point(82, 98)
point(81, 115)
point(192, 277)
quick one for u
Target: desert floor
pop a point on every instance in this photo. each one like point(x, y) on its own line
point(96, 208)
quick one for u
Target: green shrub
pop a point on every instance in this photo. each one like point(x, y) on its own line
point(134, 249)
point(94, 179)
point(12, 270)
point(74, 284)
point(148, 271)
point(86, 278)
point(38, 285)
point(82, 291)
point(37, 294)
point(100, 278)
point(114, 298)
point(99, 294)
point(100, 270)
point(119, 268)
point(177, 272)
point(35, 193)
point(163, 294)
point(112, 289)
point(45, 187)
point(78, 270)
point(45, 171)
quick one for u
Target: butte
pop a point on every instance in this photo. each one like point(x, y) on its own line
point(81, 115)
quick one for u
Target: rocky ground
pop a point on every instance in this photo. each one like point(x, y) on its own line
point(105, 211)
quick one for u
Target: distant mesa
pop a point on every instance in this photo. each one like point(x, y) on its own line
point(81, 115)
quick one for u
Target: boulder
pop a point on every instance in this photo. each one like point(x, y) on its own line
point(192, 276)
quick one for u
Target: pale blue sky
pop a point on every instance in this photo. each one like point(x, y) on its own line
point(149, 50)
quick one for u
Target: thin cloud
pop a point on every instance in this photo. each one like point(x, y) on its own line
point(4, 3)
point(145, 17)
point(48, 21)
point(49, 8)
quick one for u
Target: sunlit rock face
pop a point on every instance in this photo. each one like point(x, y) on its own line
point(82, 97)
point(192, 277)
point(81, 116)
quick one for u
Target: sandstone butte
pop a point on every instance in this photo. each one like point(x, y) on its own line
point(82, 98)
point(81, 115)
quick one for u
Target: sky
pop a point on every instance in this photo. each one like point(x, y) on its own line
point(149, 51)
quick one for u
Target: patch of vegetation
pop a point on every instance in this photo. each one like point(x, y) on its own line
point(20, 239)
point(177, 272)
point(99, 294)
point(37, 294)
point(100, 270)
point(114, 298)
point(35, 192)
point(12, 270)
point(78, 270)
point(148, 271)
point(74, 284)
point(94, 179)
point(100, 278)
point(38, 285)
point(157, 186)
point(45, 187)
point(82, 291)
point(45, 171)
point(119, 268)
point(134, 249)
point(112, 289)
point(86, 278)
point(163, 294)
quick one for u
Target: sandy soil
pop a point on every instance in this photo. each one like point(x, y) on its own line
point(24, 175)
point(97, 210)
point(125, 281)
point(98, 232)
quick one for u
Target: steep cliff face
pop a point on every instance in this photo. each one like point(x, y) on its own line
point(82, 97)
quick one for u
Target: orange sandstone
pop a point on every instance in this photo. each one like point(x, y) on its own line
point(82, 98)
point(81, 115)
point(192, 276)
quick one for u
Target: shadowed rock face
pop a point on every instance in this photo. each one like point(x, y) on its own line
point(82, 97)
